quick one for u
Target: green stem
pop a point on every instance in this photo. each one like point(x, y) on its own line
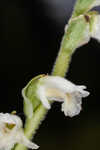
point(63, 60)
point(73, 38)
point(32, 125)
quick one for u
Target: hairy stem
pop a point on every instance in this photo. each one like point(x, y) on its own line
point(32, 124)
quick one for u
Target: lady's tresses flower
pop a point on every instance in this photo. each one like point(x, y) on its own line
point(56, 88)
point(11, 132)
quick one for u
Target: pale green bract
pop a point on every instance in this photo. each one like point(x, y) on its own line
point(31, 101)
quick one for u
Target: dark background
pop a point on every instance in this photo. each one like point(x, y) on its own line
point(30, 36)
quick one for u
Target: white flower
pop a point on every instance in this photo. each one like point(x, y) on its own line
point(56, 88)
point(11, 132)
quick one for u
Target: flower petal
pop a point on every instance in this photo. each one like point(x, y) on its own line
point(42, 96)
point(82, 92)
point(23, 140)
point(58, 83)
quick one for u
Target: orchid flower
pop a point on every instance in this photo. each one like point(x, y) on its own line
point(55, 88)
point(11, 132)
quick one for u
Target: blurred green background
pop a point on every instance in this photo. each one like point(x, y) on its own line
point(30, 36)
